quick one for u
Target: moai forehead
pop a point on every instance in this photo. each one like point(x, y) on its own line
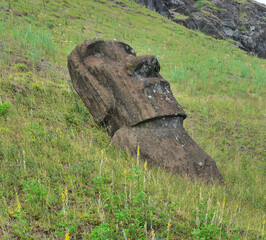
point(119, 88)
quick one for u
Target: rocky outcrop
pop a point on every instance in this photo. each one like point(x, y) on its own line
point(242, 21)
point(128, 96)
point(155, 5)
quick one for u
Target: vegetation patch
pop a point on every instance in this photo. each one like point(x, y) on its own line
point(207, 4)
point(4, 109)
point(180, 16)
point(243, 16)
point(242, 28)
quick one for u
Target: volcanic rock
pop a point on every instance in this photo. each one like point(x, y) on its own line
point(155, 5)
point(242, 21)
point(128, 96)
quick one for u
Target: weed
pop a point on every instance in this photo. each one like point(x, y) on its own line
point(210, 223)
point(35, 192)
point(242, 28)
point(21, 67)
point(205, 3)
point(4, 109)
point(21, 229)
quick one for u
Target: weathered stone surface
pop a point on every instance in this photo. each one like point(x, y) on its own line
point(118, 88)
point(127, 94)
point(155, 5)
point(165, 142)
point(244, 22)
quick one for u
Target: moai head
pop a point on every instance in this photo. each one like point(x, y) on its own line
point(119, 88)
point(127, 94)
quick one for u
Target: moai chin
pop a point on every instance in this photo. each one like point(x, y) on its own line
point(128, 96)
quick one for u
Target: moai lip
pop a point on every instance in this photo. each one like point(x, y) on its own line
point(128, 96)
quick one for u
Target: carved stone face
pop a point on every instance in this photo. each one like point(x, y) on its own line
point(127, 94)
point(119, 88)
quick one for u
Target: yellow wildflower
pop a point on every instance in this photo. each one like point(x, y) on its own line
point(125, 171)
point(168, 226)
point(67, 236)
point(153, 233)
point(138, 151)
point(18, 205)
point(66, 191)
point(63, 197)
point(223, 202)
point(145, 165)
point(102, 152)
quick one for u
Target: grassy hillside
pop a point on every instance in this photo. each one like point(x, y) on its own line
point(59, 176)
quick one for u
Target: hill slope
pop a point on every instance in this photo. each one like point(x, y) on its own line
point(59, 175)
point(241, 21)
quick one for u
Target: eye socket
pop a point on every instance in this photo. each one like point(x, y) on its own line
point(148, 68)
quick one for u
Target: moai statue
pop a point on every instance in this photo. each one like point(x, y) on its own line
point(128, 96)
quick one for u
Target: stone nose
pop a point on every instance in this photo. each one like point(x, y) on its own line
point(143, 66)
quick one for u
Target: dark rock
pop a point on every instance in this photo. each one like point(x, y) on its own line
point(128, 96)
point(168, 145)
point(118, 88)
point(243, 22)
point(155, 5)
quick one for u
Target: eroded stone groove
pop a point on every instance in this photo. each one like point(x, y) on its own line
point(127, 94)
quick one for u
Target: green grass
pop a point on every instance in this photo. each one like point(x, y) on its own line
point(243, 16)
point(206, 3)
point(180, 16)
point(241, 1)
point(59, 174)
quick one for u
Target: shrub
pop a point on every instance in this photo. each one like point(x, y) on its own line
point(4, 109)
point(242, 28)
